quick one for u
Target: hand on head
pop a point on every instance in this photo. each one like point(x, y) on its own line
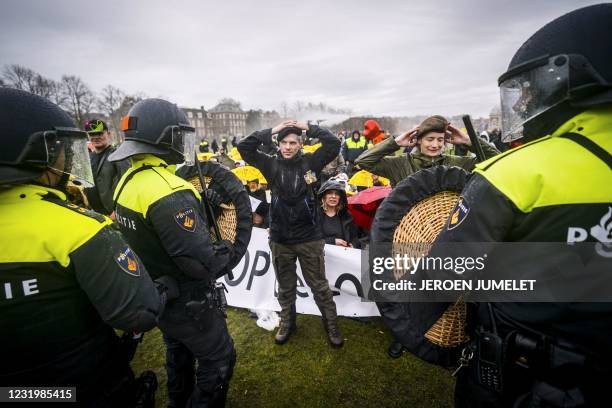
point(407, 139)
point(456, 136)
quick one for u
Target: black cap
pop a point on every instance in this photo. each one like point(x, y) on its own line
point(292, 130)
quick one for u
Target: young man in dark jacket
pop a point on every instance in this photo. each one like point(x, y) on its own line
point(106, 174)
point(294, 231)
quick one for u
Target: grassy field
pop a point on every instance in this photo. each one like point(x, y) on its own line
point(307, 372)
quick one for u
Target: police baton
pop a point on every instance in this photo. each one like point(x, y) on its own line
point(467, 121)
point(208, 209)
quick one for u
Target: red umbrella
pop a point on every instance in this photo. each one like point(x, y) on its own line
point(363, 205)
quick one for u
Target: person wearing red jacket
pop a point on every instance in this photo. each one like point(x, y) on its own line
point(373, 132)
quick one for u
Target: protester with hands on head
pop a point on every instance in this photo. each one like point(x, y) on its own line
point(433, 143)
point(294, 230)
point(429, 137)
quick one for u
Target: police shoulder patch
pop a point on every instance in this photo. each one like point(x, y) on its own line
point(128, 261)
point(458, 214)
point(185, 218)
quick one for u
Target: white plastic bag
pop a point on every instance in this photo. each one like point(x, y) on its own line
point(267, 319)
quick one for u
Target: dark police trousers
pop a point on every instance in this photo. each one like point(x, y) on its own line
point(189, 340)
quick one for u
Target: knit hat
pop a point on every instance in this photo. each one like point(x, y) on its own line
point(371, 129)
point(434, 123)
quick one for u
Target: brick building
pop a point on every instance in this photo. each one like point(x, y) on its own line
point(226, 119)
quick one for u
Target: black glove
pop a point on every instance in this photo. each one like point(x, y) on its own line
point(167, 285)
point(224, 247)
point(213, 198)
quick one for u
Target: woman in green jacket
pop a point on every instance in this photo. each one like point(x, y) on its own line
point(429, 137)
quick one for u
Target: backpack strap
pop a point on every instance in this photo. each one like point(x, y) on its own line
point(590, 146)
point(128, 178)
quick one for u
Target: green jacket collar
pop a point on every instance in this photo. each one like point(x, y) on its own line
point(424, 161)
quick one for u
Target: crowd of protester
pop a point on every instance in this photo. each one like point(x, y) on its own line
point(434, 142)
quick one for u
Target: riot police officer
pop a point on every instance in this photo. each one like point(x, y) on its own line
point(159, 213)
point(68, 278)
point(556, 94)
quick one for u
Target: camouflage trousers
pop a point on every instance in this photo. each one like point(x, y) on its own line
point(311, 256)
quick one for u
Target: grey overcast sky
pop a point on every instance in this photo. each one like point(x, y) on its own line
point(381, 57)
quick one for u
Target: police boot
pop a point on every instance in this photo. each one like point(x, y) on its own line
point(396, 349)
point(333, 332)
point(287, 326)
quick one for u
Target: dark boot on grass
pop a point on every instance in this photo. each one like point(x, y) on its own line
point(284, 332)
point(287, 325)
point(396, 349)
point(333, 332)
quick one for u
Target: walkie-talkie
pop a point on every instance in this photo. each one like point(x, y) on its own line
point(490, 356)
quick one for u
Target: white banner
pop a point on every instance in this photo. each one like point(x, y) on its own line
point(254, 284)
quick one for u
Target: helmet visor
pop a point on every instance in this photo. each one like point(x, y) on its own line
point(184, 142)
point(189, 147)
point(67, 153)
point(529, 93)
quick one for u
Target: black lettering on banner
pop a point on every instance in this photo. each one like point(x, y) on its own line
point(258, 272)
point(351, 278)
point(237, 281)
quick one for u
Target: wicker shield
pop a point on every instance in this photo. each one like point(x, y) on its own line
point(415, 213)
point(235, 220)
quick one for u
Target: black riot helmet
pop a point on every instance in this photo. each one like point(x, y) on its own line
point(36, 135)
point(563, 69)
point(157, 127)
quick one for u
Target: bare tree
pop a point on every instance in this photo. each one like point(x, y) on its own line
point(26, 79)
point(79, 98)
point(253, 120)
point(17, 76)
point(122, 110)
point(109, 102)
point(56, 94)
point(285, 108)
point(128, 101)
point(298, 107)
